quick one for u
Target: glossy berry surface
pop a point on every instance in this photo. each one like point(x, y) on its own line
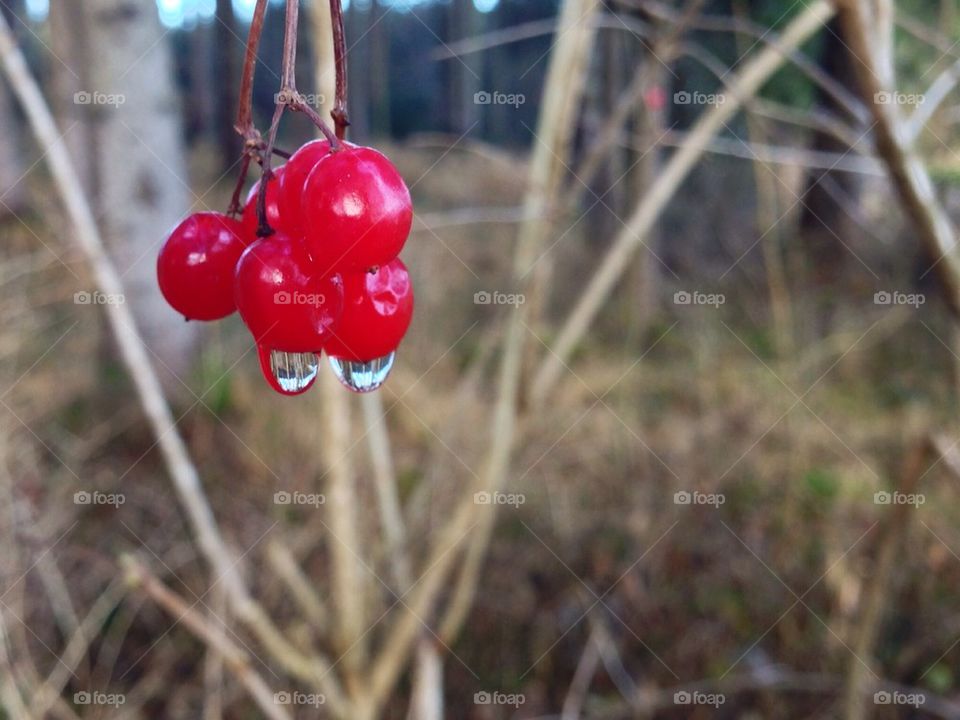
point(356, 210)
point(274, 216)
point(377, 310)
point(282, 302)
point(196, 265)
point(294, 177)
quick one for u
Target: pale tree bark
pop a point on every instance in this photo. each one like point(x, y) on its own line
point(115, 85)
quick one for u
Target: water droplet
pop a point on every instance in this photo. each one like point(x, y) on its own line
point(289, 373)
point(363, 377)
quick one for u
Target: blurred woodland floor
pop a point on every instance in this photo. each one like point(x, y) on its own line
point(697, 400)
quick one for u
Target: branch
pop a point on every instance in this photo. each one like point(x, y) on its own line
point(754, 74)
point(933, 98)
point(339, 112)
point(870, 614)
point(563, 94)
point(182, 471)
point(236, 659)
point(781, 155)
point(388, 502)
point(244, 124)
point(174, 451)
point(76, 650)
point(287, 569)
point(347, 586)
point(907, 171)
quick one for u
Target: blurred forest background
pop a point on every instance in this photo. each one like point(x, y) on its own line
point(674, 433)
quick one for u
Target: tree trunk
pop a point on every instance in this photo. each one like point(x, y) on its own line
point(824, 224)
point(466, 22)
point(128, 147)
point(11, 159)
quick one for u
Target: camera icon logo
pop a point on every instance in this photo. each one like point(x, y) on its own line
point(282, 698)
point(282, 497)
point(482, 298)
point(882, 297)
point(482, 498)
point(882, 497)
point(682, 97)
point(82, 497)
point(282, 297)
point(883, 98)
point(82, 98)
point(683, 497)
point(682, 697)
point(482, 98)
point(482, 698)
point(82, 298)
point(682, 297)
point(882, 697)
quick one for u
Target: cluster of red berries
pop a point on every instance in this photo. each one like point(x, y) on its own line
point(328, 279)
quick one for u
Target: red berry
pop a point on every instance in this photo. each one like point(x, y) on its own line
point(250, 220)
point(196, 265)
point(356, 210)
point(377, 310)
point(295, 174)
point(282, 303)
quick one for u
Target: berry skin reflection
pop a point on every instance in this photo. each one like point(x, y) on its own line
point(327, 280)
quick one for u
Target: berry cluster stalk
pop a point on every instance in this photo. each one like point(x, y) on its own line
point(339, 112)
point(255, 148)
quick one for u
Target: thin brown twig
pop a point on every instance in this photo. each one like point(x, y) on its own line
point(244, 124)
point(263, 225)
point(339, 113)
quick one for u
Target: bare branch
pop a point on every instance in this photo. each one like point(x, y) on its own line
point(754, 74)
point(871, 40)
point(235, 658)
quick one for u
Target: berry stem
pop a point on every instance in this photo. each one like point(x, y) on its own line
point(289, 95)
point(244, 124)
point(235, 208)
point(339, 113)
point(288, 80)
point(264, 229)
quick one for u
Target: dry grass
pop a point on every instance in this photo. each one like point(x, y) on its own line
point(688, 592)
